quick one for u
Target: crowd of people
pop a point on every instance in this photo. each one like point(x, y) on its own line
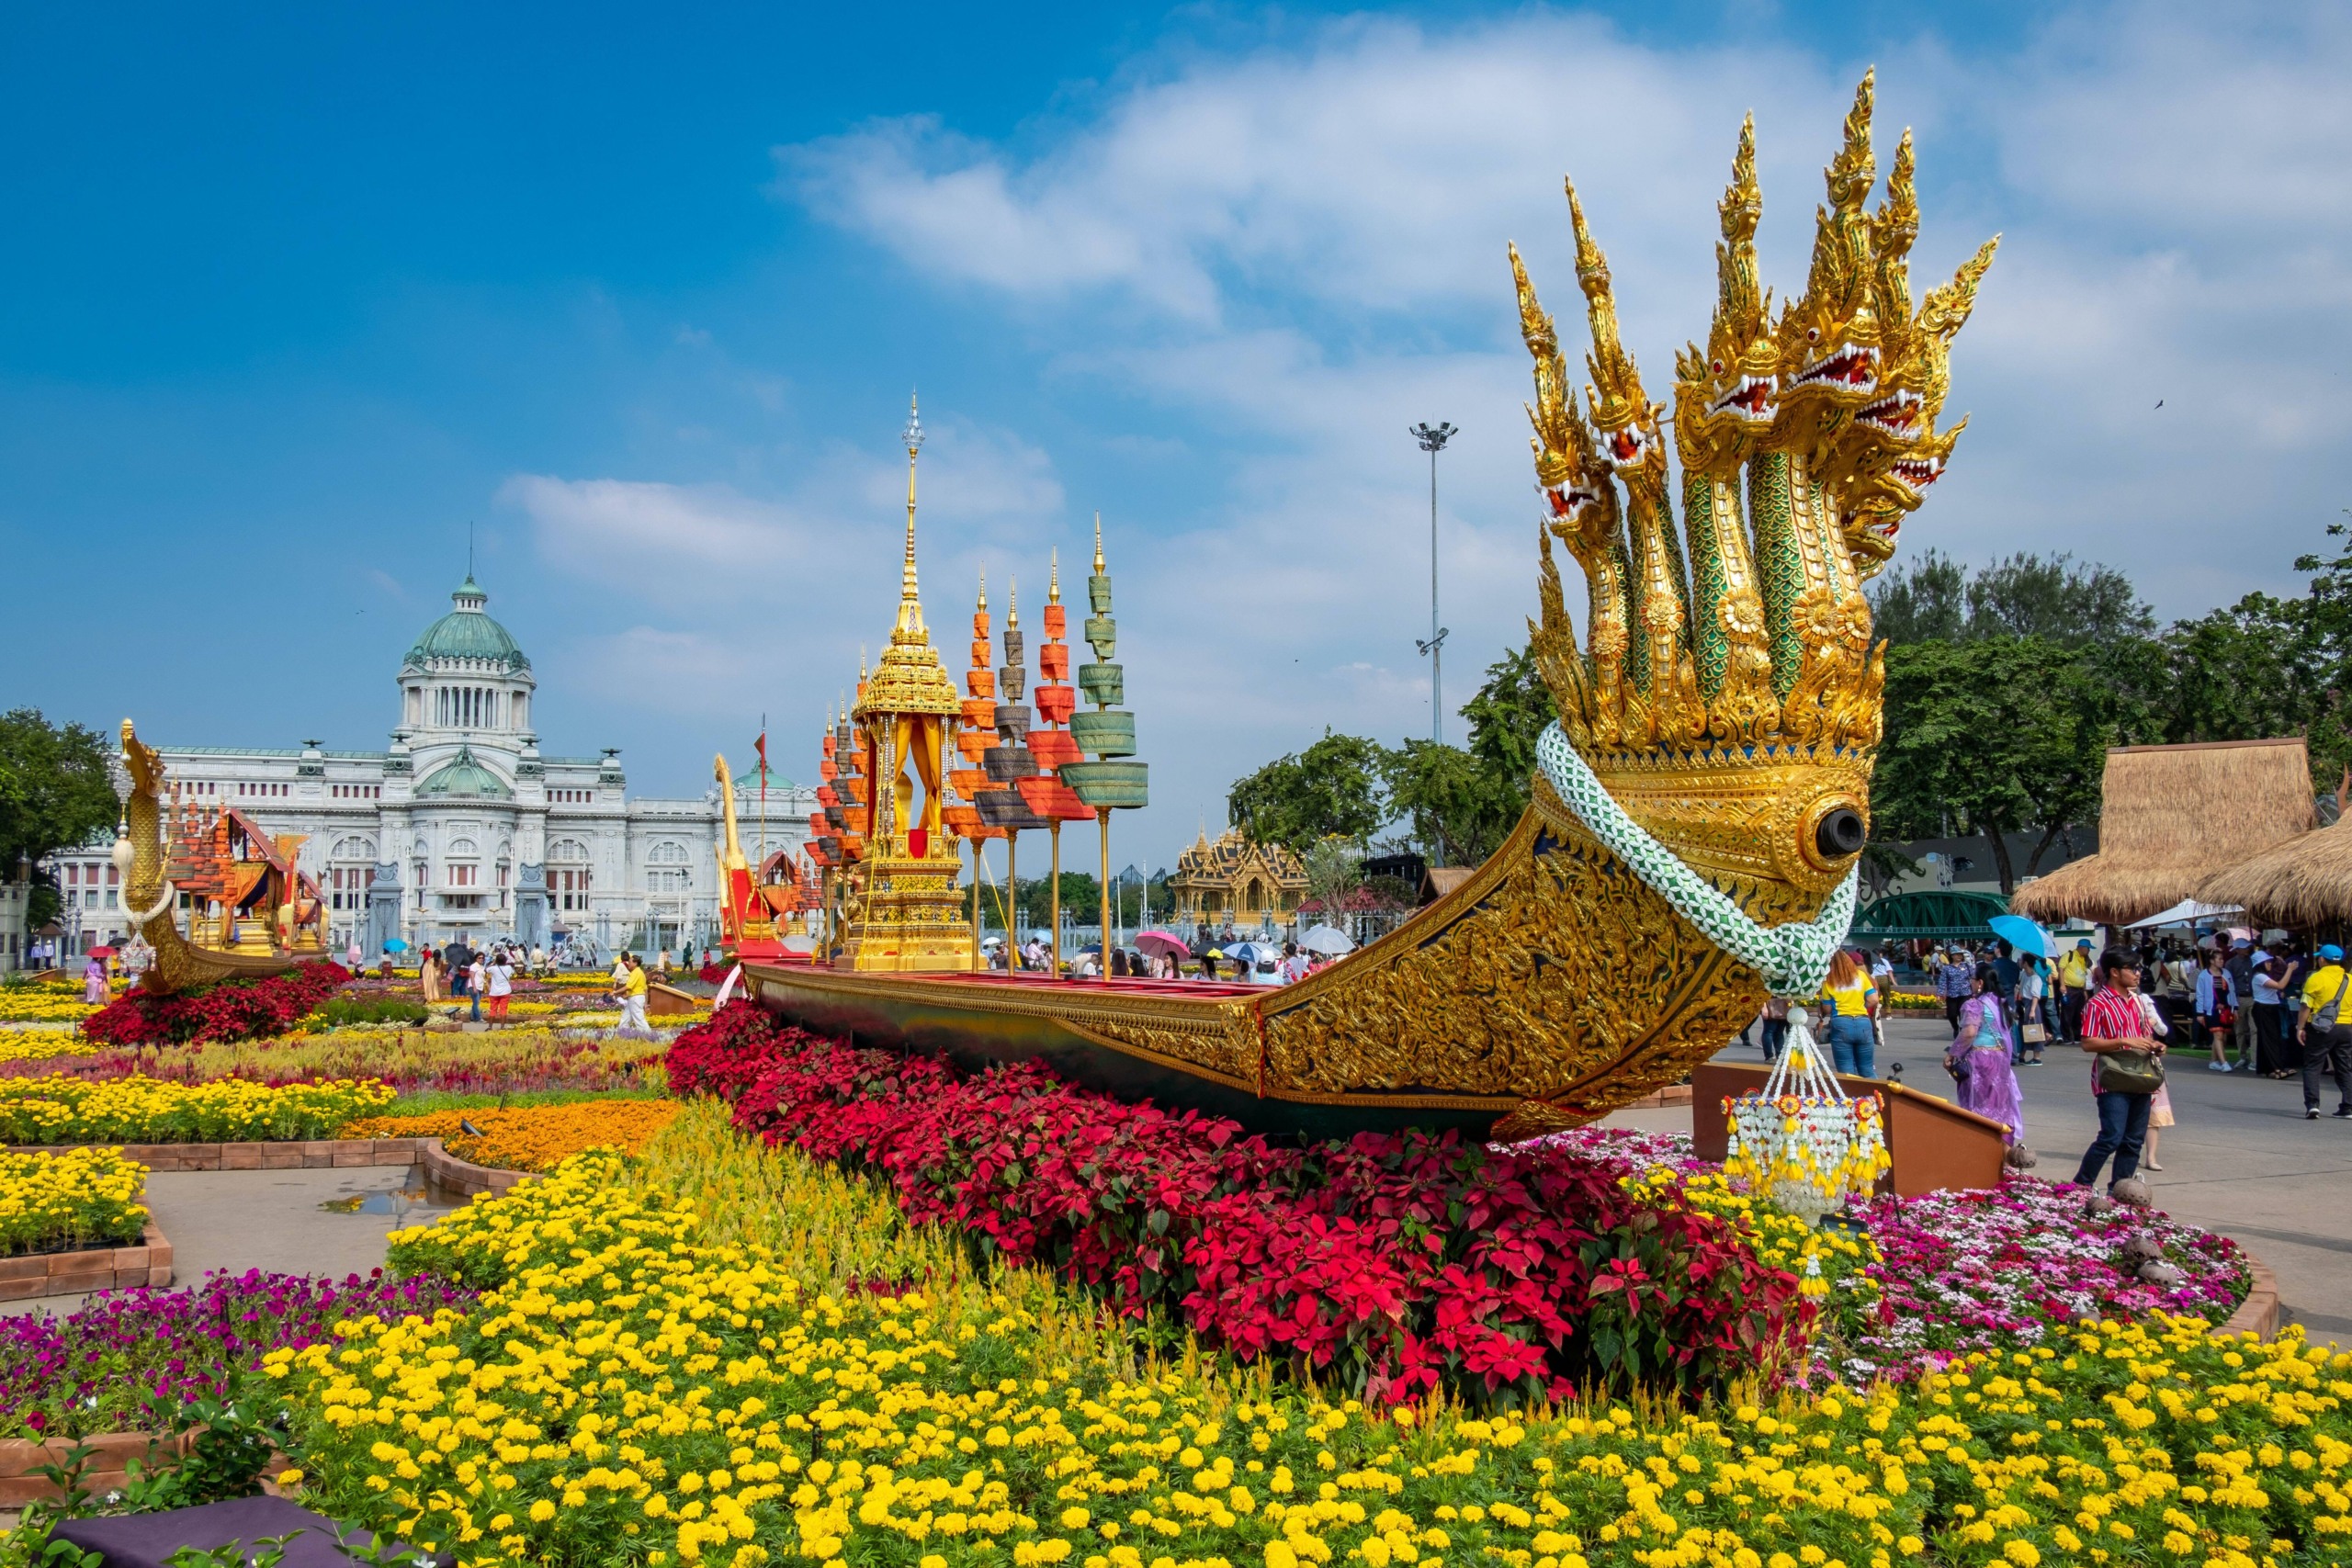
point(461, 973)
point(2269, 1010)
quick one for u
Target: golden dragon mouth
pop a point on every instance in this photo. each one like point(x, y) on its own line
point(1895, 414)
point(1853, 369)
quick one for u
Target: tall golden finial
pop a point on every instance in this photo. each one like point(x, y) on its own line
point(1054, 583)
point(1853, 170)
point(1013, 606)
point(1534, 324)
point(984, 588)
point(1618, 402)
point(1098, 544)
point(910, 599)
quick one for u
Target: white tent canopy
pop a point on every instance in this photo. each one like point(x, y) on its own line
point(2186, 910)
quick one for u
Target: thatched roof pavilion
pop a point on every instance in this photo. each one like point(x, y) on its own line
point(2306, 881)
point(2171, 818)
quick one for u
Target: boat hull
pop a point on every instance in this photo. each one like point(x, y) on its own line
point(1076, 1028)
point(1550, 988)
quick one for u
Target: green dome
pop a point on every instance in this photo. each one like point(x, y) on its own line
point(462, 775)
point(467, 632)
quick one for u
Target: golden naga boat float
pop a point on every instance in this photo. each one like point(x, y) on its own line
point(1700, 806)
point(250, 909)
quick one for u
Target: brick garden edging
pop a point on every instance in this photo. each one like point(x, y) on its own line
point(315, 1153)
point(2258, 1314)
point(147, 1262)
point(20, 1456)
point(312, 1153)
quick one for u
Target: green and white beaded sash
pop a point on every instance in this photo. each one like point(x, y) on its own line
point(1793, 959)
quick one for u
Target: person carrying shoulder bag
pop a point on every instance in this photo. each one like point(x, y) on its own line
point(2127, 1066)
point(2324, 1036)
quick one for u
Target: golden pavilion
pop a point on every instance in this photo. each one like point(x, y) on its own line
point(1234, 881)
point(906, 914)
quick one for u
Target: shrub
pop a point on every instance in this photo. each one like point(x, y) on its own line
point(339, 1010)
point(233, 1009)
point(1395, 1263)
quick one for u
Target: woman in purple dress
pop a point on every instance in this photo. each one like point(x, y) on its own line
point(1979, 1058)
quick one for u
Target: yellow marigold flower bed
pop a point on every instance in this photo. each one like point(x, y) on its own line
point(1780, 1238)
point(60, 1109)
point(532, 1137)
point(40, 1004)
point(650, 1382)
point(50, 1202)
point(36, 1046)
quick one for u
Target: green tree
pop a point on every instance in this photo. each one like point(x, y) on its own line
point(1992, 735)
point(1082, 900)
point(1507, 716)
point(2054, 597)
point(1332, 787)
point(2057, 598)
point(1456, 806)
point(1924, 601)
point(1334, 869)
point(55, 791)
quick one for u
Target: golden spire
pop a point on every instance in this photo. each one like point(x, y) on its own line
point(984, 588)
point(910, 600)
point(1013, 606)
point(1098, 544)
point(1616, 396)
point(1054, 584)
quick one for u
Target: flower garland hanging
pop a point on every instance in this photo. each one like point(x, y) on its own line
point(1802, 1142)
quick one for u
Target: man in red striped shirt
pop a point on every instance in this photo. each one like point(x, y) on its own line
point(2115, 1019)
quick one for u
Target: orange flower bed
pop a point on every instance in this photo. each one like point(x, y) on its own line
point(531, 1137)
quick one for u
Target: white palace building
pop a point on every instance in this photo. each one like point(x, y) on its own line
point(463, 827)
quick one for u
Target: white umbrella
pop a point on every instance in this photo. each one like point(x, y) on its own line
point(2188, 909)
point(1327, 939)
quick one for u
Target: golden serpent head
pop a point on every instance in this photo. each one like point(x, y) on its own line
point(1804, 439)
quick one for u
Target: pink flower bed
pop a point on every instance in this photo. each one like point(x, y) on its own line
point(1998, 1269)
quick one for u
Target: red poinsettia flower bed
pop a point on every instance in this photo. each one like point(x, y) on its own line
point(1395, 1264)
point(234, 1009)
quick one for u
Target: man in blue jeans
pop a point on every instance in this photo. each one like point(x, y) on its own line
point(2115, 1019)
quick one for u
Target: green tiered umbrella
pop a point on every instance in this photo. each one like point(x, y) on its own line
point(1107, 733)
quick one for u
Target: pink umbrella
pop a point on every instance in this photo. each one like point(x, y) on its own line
point(1162, 944)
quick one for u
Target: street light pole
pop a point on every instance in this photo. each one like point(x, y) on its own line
point(1433, 440)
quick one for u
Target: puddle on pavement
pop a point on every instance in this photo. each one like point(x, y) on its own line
point(416, 1193)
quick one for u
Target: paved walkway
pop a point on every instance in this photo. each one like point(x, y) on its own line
point(2240, 1159)
point(269, 1220)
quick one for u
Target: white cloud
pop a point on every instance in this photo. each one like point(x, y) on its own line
point(611, 527)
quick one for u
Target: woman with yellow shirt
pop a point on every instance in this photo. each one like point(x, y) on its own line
point(1849, 1005)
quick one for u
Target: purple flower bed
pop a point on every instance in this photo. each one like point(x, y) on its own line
point(1623, 1146)
point(128, 1359)
point(1998, 1269)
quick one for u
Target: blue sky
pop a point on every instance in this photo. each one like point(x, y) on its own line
point(293, 296)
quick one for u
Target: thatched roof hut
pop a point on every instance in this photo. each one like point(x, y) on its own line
point(2171, 818)
point(2306, 881)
